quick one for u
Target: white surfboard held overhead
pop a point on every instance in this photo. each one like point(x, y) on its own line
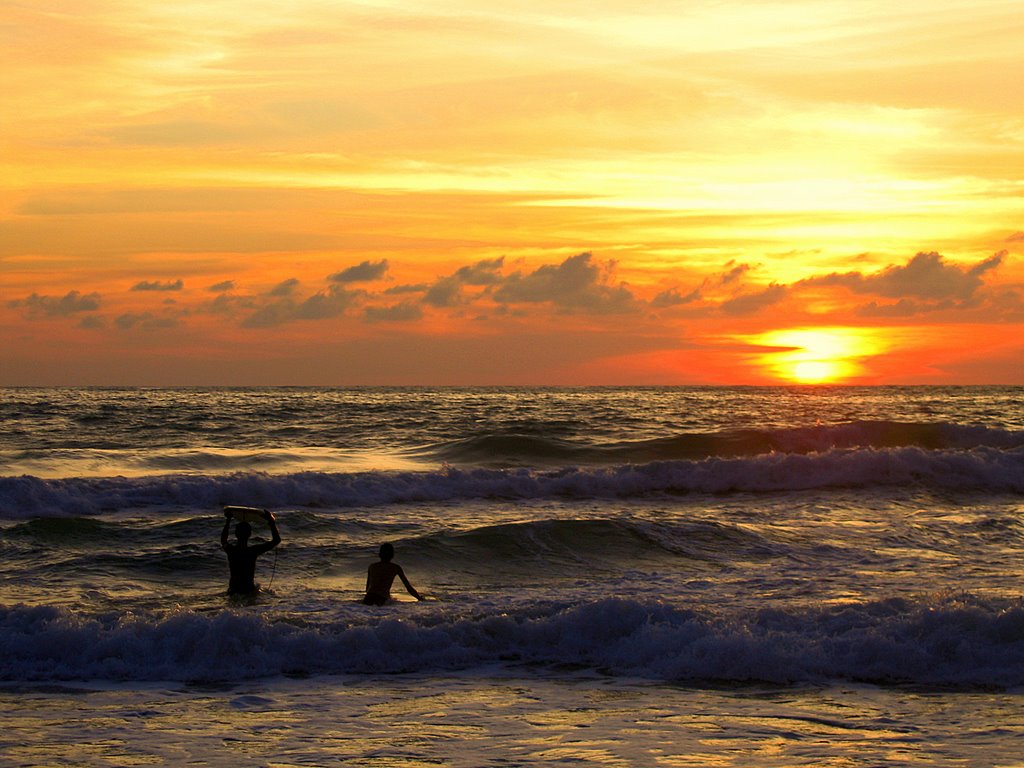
point(247, 514)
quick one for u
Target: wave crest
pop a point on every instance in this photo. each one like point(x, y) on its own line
point(515, 449)
point(982, 469)
point(942, 642)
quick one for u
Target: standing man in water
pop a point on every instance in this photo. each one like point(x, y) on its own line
point(242, 557)
point(381, 575)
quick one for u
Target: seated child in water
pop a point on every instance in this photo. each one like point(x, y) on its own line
point(381, 575)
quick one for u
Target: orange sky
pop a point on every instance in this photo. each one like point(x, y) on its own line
point(461, 192)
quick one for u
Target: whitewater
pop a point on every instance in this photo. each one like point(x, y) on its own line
point(615, 576)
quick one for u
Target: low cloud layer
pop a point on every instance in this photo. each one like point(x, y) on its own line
point(398, 313)
point(751, 303)
point(144, 321)
point(71, 303)
point(285, 287)
point(926, 276)
point(365, 272)
point(580, 285)
point(329, 303)
point(156, 285)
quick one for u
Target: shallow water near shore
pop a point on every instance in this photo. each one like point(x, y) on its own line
point(455, 720)
point(784, 576)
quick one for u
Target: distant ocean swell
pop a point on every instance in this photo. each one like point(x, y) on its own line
point(515, 448)
point(979, 469)
point(940, 642)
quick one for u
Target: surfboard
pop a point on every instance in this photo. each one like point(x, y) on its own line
point(247, 514)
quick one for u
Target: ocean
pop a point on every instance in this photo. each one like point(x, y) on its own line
point(687, 576)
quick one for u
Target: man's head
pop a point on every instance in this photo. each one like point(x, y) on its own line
point(387, 552)
point(243, 531)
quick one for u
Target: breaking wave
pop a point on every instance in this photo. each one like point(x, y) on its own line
point(931, 642)
point(981, 469)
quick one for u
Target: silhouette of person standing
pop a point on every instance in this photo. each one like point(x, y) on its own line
point(242, 557)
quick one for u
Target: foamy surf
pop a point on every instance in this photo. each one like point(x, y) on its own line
point(978, 469)
point(943, 642)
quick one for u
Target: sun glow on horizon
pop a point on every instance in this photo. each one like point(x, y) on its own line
point(817, 355)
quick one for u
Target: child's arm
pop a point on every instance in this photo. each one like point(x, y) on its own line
point(408, 587)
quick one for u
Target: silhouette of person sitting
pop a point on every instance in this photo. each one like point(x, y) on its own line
point(381, 575)
point(242, 557)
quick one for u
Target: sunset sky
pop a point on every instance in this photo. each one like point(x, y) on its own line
point(468, 192)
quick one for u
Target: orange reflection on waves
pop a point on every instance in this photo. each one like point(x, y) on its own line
point(817, 355)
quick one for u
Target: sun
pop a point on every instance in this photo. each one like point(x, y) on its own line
point(816, 355)
point(817, 371)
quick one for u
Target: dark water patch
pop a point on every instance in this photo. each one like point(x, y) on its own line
point(62, 530)
point(570, 548)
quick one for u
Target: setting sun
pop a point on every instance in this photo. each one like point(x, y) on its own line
point(817, 356)
point(818, 371)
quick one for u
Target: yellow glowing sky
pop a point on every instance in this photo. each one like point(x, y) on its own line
point(466, 192)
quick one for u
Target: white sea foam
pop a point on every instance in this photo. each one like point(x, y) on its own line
point(961, 642)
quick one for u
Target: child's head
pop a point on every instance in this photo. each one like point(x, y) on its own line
point(387, 552)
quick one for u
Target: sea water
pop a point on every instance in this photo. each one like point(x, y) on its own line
point(615, 577)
